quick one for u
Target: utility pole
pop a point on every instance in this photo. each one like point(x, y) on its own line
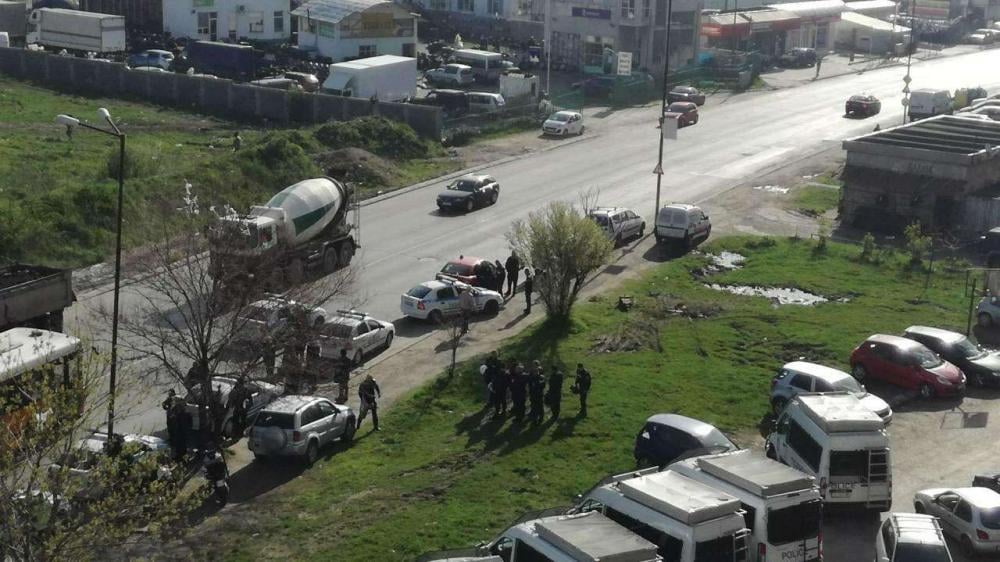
point(909, 57)
point(663, 109)
point(548, 47)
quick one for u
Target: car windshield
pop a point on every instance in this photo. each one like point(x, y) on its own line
point(418, 292)
point(281, 420)
point(848, 384)
point(561, 117)
point(463, 185)
point(795, 523)
point(990, 517)
point(859, 98)
point(453, 268)
point(338, 330)
point(967, 349)
point(677, 107)
point(683, 90)
point(912, 552)
point(601, 220)
point(925, 357)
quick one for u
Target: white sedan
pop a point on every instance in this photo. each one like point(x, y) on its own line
point(358, 333)
point(563, 123)
point(434, 300)
point(969, 515)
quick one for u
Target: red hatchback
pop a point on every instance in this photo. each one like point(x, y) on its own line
point(463, 269)
point(906, 363)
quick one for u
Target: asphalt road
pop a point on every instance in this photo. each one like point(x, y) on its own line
point(405, 240)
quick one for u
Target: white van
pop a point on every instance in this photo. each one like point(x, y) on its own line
point(686, 224)
point(486, 102)
point(835, 438)
point(783, 507)
point(561, 538)
point(928, 102)
point(687, 520)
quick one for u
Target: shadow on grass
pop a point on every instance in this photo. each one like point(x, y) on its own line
point(664, 252)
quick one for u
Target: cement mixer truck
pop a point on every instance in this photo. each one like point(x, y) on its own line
point(304, 226)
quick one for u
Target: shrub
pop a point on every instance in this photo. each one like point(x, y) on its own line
point(916, 242)
point(378, 135)
point(276, 162)
point(867, 247)
point(139, 163)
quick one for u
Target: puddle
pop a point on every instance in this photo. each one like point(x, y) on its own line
point(771, 188)
point(779, 295)
point(728, 260)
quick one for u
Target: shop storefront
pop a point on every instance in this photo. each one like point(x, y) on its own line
point(818, 27)
point(764, 30)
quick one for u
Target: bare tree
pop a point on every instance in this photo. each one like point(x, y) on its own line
point(61, 502)
point(192, 314)
point(567, 245)
point(589, 200)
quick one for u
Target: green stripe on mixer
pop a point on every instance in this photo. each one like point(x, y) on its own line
point(307, 220)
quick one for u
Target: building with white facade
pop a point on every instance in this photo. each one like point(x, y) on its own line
point(817, 23)
point(217, 20)
point(350, 29)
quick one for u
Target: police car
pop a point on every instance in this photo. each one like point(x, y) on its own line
point(436, 299)
point(358, 333)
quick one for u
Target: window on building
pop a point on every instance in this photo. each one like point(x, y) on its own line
point(593, 49)
point(439, 5)
point(494, 6)
point(647, 6)
point(279, 21)
point(628, 9)
point(466, 5)
point(523, 7)
point(256, 22)
point(203, 23)
point(365, 51)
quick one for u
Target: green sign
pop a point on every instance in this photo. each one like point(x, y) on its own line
point(203, 3)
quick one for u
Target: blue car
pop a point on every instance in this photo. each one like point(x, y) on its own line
point(152, 57)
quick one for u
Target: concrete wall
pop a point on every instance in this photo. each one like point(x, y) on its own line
point(223, 98)
point(233, 18)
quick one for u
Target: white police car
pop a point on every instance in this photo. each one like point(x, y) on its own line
point(434, 300)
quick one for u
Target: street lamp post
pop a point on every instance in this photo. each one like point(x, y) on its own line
point(70, 122)
point(663, 109)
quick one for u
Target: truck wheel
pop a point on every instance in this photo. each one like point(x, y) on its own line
point(346, 253)
point(293, 273)
point(330, 260)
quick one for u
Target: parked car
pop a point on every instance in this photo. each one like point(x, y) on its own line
point(980, 367)
point(464, 269)
point(667, 438)
point(149, 69)
point(991, 34)
point(908, 364)
point(90, 451)
point(261, 394)
point(863, 105)
point(434, 300)
point(272, 316)
point(451, 75)
point(989, 245)
point(597, 86)
point(152, 57)
point(989, 480)
point(797, 377)
point(618, 223)
point(686, 224)
point(451, 102)
point(686, 93)
point(468, 192)
point(977, 39)
point(798, 57)
point(308, 82)
point(988, 311)
point(563, 123)
point(910, 537)
point(360, 334)
point(685, 112)
point(486, 102)
point(971, 516)
point(300, 426)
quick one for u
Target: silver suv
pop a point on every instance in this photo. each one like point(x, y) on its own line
point(911, 536)
point(300, 426)
point(618, 224)
point(798, 377)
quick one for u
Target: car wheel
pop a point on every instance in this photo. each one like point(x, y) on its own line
point(330, 260)
point(492, 308)
point(642, 230)
point(469, 205)
point(977, 379)
point(312, 453)
point(984, 319)
point(346, 253)
point(770, 453)
point(967, 548)
point(494, 197)
point(618, 240)
point(350, 430)
point(687, 241)
point(778, 404)
point(582, 127)
point(926, 391)
point(435, 317)
point(919, 507)
point(359, 358)
point(388, 340)
point(859, 372)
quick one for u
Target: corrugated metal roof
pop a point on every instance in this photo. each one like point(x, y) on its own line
point(333, 11)
point(945, 134)
point(763, 16)
point(874, 24)
point(816, 8)
point(864, 5)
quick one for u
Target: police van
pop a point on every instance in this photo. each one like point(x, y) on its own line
point(783, 506)
point(687, 520)
point(835, 438)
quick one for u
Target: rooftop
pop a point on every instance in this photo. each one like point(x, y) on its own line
point(333, 11)
point(944, 133)
point(828, 374)
point(759, 475)
point(679, 497)
point(946, 336)
point(23, 349)
point(838, 412)
point(918, 528)
point(870, 22)
point(592, 536)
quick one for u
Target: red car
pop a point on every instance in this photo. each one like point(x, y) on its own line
point(906, 363)
point(685, 112)
point(463, 269)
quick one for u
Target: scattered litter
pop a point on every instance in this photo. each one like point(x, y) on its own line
point(771, 188)
point(778, 295)
point(625, 303)
point(728, 260)
point(810, 176)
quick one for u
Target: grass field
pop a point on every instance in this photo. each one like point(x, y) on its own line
point(813, 200)
point(58, 195)
point(442, 474)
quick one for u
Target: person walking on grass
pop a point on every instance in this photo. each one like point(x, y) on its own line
point(554, 395)
point(513, 267)
point(501, 386)
point(536, 393)
point(582, 387)
point(529, 286)
point(518, 391)
point(369, 393)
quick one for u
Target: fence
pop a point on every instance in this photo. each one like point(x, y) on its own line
point(213, 96)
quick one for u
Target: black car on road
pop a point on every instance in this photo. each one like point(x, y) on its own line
point(468, 192)
point(864, 105)
point(667, 438)
point(981, 367)
point(686, 93)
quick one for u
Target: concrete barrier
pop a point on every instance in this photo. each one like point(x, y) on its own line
point(212, 96)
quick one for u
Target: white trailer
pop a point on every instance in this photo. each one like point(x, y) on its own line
point(386, 77)
point(74, 30)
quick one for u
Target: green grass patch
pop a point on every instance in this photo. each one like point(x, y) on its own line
point(814, 200)
point(443, 475)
